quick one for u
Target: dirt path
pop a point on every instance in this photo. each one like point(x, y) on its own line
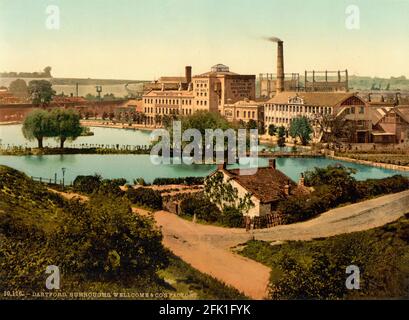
point(189, 241)
point(208, 248)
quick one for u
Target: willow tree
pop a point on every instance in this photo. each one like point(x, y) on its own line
point(37, 125)
point(65, 124)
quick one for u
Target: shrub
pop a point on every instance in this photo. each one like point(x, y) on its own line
point(232, 217)
point(374, 187)
point(102, 237)
point(87, 184)
point(186, 180)
point(139, 181)
point(145, 197)
point(111, 187)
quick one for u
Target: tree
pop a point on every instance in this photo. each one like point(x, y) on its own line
point(224, 195)
point(37, 125)
point(334, 129)
point(272, 130)
point(19, 88)
point(281, 136)
point(261, 127)
point(251, 124)
point(158, 119)
point(47, 72)
point(300, 127)
point(65, 124)
point(41, 91)
point(202, 121)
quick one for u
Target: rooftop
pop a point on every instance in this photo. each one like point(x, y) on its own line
point(312, 98)
point(267, 184)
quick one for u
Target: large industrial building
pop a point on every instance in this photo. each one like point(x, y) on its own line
point(282, 97)
point(209, 91)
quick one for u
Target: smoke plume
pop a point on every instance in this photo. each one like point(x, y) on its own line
point(272, 39)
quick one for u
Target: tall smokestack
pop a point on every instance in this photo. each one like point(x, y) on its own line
point(280, 66)
point(188, 74)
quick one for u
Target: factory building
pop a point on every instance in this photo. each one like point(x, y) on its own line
point(209, 91)
point(285, 106)
point(244, 111)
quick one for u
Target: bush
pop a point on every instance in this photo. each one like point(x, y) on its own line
point(190, 181)
point(103, 237)
point(87, 184)
point(145, 197)
point(374, 187)
point(139, 181)
point(200, 206)
point(232, 217)
point(297, 209)
point(111, 187)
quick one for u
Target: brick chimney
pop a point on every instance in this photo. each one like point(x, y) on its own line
point(188, 74)
point(272, 163)
point(287, 189)
point(301, 183)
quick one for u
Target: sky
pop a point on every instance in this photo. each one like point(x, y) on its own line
point(145, 39)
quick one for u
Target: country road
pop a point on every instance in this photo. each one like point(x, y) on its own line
point(209, 248)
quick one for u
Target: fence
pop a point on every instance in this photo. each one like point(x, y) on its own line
point(50, 181)
point(267, 221)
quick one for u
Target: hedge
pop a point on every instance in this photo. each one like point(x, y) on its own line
point(145, 197)
point(190, 181)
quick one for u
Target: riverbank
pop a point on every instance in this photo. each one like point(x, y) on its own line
point(20, 151)
point(370, 163)
point(108, 124)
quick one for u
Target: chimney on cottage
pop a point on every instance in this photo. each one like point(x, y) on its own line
point(272, 163)
point(287, 189)
point(301, 183)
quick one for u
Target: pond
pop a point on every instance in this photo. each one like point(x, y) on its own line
point(134, 166)
point(13, 136)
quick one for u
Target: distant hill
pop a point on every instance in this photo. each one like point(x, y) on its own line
point(46, 73)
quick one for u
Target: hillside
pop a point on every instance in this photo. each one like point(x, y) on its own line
point(317, 269)
point(100, 246)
